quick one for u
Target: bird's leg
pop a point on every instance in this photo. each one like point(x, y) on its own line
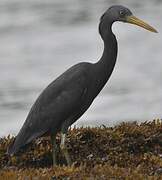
point(54, 149)
point(64, 148)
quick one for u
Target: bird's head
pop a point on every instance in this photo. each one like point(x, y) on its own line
point(123, 14)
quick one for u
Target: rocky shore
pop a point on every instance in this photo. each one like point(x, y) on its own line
point(126, 151)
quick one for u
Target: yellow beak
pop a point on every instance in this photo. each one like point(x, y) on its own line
point(134, 20)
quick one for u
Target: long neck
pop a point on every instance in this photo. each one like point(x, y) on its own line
point(105, 65)
point(108, 58)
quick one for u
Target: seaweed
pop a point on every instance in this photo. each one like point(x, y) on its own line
point(127, 151)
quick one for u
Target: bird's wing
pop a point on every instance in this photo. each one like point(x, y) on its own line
point(56, 103)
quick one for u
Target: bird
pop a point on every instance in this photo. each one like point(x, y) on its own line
point(69, 96)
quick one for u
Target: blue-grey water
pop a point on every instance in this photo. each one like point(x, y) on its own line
point(41, 39)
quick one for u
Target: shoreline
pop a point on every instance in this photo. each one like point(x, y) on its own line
point(128, 150)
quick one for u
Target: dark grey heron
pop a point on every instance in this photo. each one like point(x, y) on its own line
point(68, 97)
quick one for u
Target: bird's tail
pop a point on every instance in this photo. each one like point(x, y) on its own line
point(12, 149)
point(20, 141)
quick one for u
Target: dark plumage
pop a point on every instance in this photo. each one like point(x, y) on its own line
point(71, 94)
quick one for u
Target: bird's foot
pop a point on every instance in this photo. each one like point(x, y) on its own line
point(54, 162)
point(54, 150)
point(66, 154)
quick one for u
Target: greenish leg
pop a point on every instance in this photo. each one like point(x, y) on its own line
point(54, 149)
point(64, 149)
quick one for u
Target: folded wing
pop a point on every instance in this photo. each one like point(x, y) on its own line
point(56, 103)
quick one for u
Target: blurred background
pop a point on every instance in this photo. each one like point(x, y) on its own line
point(41, 39)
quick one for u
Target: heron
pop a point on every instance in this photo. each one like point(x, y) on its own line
point(69, 96)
